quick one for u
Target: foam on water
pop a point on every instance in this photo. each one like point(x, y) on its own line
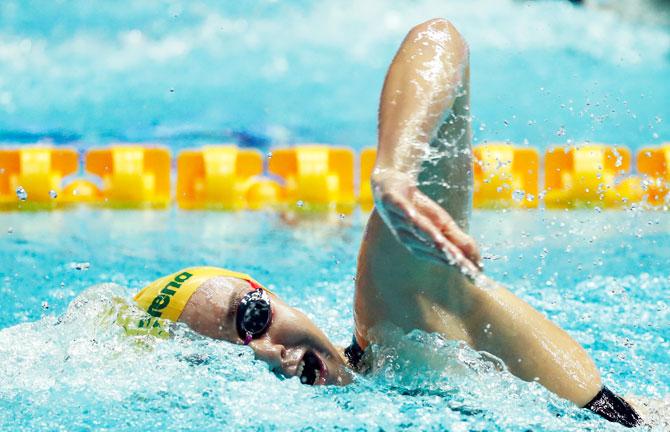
point(81, 370)
point(66, 368)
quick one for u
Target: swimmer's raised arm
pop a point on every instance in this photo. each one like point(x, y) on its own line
point(424, 80)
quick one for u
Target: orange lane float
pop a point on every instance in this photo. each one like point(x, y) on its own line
point(223, 177)
point(32, 176)
point(654, 164)
point(320, 177)
point(81, 191)
point(367, 164)
point(315, 176)
point(132, 175)
point(589, 176)
point(505, 176)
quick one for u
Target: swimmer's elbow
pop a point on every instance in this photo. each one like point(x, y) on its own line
point(441, 31)
point(435, 24)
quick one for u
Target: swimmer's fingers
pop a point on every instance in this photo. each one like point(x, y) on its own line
point(405, 207)
point(420, 246)
point(441, 219)
point(423, 248)
point(423, 219)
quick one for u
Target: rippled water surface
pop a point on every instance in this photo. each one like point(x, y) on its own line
point(284, 71)
point(601, 276)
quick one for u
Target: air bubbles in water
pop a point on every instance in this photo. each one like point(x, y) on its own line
point(53, 194)
point(300, 203)
point(80, 265)
point(518, 195)
point(21, 193)
point(45, 305)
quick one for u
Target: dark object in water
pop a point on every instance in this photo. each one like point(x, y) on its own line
point(613, 408)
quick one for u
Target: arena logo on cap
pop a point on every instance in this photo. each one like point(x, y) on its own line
point(161, 301)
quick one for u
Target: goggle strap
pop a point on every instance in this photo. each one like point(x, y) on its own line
point(248, 338)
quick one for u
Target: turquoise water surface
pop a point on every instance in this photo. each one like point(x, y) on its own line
point(601, 276)
point(271, 73)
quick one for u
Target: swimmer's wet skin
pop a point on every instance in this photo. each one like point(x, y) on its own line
point(233, 306)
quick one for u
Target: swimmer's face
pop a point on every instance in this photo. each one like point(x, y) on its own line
point(292, 345)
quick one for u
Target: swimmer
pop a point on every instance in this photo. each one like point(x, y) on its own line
point(417, 267)
point(232, 306)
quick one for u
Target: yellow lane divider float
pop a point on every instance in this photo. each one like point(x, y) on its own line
point(132, 175)
point(223, 177)
point(654, 164)
point(589, 176)
point(33, 175)
point(505, 176)
point(367, 164)
point(320, 177)
point(316, 176)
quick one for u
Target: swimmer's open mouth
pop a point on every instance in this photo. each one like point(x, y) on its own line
point(311, 369)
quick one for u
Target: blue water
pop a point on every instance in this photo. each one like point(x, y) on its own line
point(601, 276)
point(269, 72)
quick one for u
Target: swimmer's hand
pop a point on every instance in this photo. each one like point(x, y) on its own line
point(419, 223)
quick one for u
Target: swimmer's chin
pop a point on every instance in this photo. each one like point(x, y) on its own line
point(331, 370)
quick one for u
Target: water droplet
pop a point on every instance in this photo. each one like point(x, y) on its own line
point(10, 230)
point(560, 131)
point(269, 155)
point(45, 305)
point(518, 195)
point(300, 203)
point(80, 265)
point(21, 193)
point(53, 194)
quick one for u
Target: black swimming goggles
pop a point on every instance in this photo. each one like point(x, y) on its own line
point(254, 315)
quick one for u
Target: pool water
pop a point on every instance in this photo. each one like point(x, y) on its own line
point(272, 73)
point(600, 275)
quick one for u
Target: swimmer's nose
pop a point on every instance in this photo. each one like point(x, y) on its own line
point(274, 354)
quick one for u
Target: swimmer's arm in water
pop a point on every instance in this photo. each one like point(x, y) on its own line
point(535, 349)
point(422, 84)
point(532, 347)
